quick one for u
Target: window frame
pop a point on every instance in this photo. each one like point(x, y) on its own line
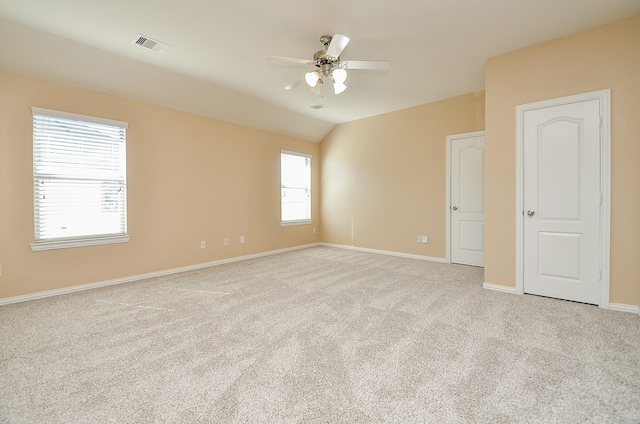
point(50, 243)
point(309, 220)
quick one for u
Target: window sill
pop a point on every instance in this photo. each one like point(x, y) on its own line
point(67, 244)
point(290, 223)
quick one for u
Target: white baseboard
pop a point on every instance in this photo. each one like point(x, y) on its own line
point(621, 307)
point(612, 306)
point(496, 287)
point(67, 290)
point(386, 252)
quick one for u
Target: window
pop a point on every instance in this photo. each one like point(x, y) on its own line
point(295, 185)
point(79, 180)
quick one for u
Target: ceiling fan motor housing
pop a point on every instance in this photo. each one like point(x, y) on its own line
point(326, 40)
point(321, 58)
point(324, 62)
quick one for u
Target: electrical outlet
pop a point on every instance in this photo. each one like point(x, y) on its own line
point(314, 230)
point(226, 241)
point(241, 239)
point(423, 239)
point(203, 244)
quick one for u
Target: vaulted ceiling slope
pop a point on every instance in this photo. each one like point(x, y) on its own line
point(216, 63)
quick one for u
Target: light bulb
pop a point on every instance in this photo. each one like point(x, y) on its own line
point(312, 78)
point(339, 87)
point(339, 75)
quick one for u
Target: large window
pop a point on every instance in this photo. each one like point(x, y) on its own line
point(79, 180)
point(295, 186)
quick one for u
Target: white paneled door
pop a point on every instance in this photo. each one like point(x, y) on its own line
point(467, 199)
point(562, 201)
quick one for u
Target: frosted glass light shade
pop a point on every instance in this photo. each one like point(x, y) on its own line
point(339, 75)
point(312, 78)
point(339, 87)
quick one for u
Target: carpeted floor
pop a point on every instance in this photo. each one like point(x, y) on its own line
point(321, 335)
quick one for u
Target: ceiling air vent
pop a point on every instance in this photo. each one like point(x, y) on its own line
point(150, 43)
point(317, 106)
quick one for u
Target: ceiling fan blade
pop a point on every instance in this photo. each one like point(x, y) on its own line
point(292, 85)
point(375, 65)
point(291, 60)
point(338, 43)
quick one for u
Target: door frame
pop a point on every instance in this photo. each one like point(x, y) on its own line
point(604, 97)
point(449, 140)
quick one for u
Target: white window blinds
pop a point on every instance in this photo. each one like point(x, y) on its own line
point(79, 176)
point(295, 185)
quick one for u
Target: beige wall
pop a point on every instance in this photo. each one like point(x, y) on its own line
point(388, 174)
point(383, 178)
point(190, 178)
point(605, 57)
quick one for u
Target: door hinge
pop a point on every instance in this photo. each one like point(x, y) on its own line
point(601, 122)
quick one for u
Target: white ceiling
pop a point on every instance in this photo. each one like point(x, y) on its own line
point(217, 65)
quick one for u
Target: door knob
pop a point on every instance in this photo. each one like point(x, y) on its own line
point(455, 208)
point(530, 213)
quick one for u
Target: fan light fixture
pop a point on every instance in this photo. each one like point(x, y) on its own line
point(329, 64)
point(339, 87)
point(338, 75)
point(312, 78)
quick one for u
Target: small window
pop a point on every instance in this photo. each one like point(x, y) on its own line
point(295, 186)
point(79, 180)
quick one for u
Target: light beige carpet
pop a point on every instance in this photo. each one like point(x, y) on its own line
point(321, 335)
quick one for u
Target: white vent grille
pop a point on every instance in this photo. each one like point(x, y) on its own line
point(317, 106)
point(150, 43)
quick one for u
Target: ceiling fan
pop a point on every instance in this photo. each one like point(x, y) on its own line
point(329, 64)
